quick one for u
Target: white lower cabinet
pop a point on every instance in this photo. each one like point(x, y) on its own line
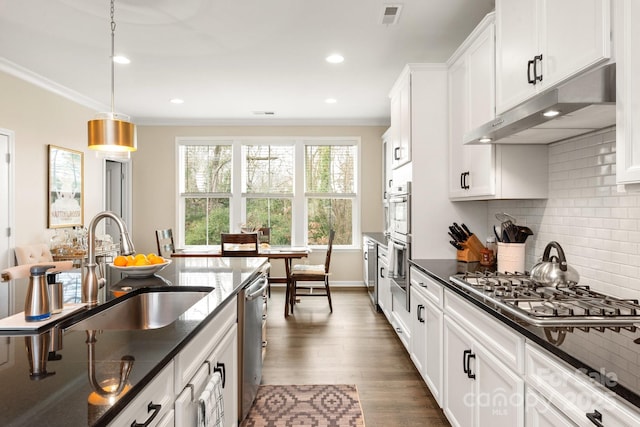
point(215, 348)
point(540, 413)
point(168, 420)
point(581, 399)
point(479, 390)
point(384, 286)
point(224, 359)
point(426, 330)
point(152, 404)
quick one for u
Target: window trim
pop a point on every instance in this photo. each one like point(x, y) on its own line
point(237, 202)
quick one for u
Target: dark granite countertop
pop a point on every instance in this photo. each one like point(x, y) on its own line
point(608, 354)
point(61, 399)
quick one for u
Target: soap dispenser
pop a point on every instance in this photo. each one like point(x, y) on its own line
point(36, 306)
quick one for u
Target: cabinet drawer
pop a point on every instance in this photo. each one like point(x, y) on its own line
point(573, 392)
point(507, 345)
point(157, 392)
point(198, 349)
point(429, 287)
point(186, 405)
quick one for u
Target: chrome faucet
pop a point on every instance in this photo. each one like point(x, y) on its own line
point(90, 283)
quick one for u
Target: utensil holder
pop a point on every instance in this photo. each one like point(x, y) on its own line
point(511, 257)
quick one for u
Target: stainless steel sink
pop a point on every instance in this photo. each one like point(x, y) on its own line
point(150, 309)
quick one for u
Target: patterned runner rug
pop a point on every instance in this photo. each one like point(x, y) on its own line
point(331, 405)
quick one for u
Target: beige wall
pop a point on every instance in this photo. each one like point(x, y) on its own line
point(154, 182)
point(39, 117)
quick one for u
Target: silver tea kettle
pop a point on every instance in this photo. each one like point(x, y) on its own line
point(553, 270)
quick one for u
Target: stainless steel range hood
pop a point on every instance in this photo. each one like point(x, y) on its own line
point(585, 103)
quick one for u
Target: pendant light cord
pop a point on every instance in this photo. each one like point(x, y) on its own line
point(113, 36)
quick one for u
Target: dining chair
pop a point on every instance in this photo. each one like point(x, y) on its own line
point(264, 235)
point(164, 239)
point(239, 244)
point(31, 255)
point(312, 273)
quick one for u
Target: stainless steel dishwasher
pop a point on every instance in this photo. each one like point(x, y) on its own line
point(251, 314)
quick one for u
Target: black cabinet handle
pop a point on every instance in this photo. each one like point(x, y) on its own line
point(462, 180)
point(469, 374)
point(419, 311)
point(152, 407)
point(465, 361)
point(366, 256)
point(467, 355)
point(396, 153)
point(530, 80)
point(595, 417)
point(382, 272)
point(464, 183)
point(220, 368)
point(536, 77)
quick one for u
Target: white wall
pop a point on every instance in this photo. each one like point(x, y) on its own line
point(597, 226)
point(39, 117)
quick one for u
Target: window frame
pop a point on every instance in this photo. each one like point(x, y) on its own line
point(237, 198)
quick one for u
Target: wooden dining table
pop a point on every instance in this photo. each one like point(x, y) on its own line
point(285, 253)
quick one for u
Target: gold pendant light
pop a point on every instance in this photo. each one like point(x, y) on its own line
point(110, 131)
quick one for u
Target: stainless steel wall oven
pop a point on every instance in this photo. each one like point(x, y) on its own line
point(399, 250)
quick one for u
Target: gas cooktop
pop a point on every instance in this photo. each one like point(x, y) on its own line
point(540, 305)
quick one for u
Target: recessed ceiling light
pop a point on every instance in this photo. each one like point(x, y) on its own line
point(177, 101)
point(119, 59)
point(335, 58)
point(485, 139)
point(330, 100)
point(551, 113)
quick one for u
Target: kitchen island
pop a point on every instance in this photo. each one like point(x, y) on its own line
point(62, 395)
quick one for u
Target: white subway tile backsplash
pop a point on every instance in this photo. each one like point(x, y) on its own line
point(597, 226)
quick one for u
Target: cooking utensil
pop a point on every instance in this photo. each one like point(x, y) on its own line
point(498, 235)
point(553, 270)
point(466, 229)
point(505, 217)
point(523, 233)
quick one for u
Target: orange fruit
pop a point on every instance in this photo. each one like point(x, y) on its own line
point(157, 260)
point(120, 261)
point(141, 261)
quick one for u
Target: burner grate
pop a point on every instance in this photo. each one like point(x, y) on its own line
point(540, 305)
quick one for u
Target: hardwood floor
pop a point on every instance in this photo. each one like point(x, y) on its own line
point(354, 345)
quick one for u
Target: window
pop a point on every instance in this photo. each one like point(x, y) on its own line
point(205, 191)
point(300, 188)
point(268, 180)
point(330, 192)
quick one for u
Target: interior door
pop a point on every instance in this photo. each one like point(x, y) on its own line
point(5, 199)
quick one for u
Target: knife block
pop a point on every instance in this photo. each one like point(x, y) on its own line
point(472, 250)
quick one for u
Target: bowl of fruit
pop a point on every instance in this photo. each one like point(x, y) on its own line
point(139, 265)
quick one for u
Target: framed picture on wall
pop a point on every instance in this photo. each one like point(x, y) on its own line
point(66, 192)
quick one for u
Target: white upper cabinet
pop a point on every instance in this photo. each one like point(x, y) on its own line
point(471, 103)
point(401, 110)
point(540, 43)
point(628, 93)
point(484, 172)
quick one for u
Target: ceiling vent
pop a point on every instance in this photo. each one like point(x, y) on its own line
point(390, 14)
